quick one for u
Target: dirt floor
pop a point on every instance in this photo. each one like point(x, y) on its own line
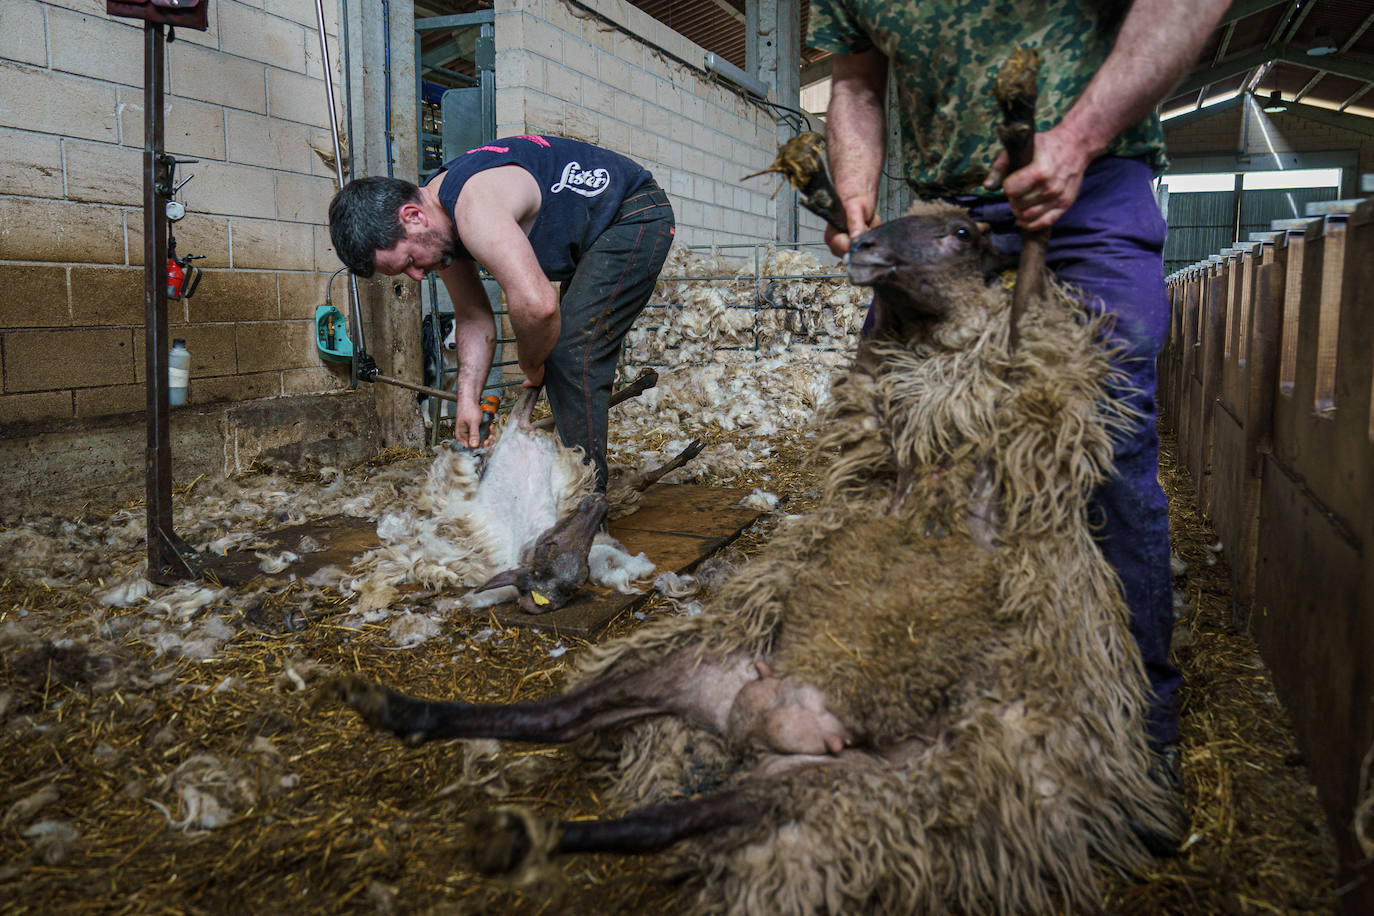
point(159, 762)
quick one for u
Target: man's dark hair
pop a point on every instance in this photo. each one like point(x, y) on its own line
point(364, 216)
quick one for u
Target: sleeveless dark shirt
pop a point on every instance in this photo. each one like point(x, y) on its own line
point(582, 188)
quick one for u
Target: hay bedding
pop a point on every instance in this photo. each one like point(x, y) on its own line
point(168, 755)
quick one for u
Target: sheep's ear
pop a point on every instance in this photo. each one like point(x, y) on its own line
point(502, 578)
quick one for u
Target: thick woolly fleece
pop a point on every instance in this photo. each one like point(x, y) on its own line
point(1008, 676)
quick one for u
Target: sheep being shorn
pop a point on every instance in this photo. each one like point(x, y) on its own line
point(921, 698)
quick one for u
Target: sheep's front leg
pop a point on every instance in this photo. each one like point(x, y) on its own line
point(702, 691)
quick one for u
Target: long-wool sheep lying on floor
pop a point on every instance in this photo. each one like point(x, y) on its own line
point(921, 697)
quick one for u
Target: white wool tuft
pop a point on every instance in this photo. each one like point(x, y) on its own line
point(412, 629)
point(671, 585)
point(128, 590)
point(275, 562)
point(611, 565)
point(52, 840)
point(760, 499)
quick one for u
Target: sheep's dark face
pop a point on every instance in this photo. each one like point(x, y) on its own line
point(919, 263)
point(555, 567)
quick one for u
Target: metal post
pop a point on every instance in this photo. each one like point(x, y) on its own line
point(169, 559)
point(355, 323)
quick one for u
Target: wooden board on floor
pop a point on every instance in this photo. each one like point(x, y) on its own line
point(676, 526)
point(342, 538)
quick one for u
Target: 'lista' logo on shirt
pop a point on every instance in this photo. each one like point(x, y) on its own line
point(587, 182)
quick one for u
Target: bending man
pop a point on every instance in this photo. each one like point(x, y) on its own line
point(530, 209)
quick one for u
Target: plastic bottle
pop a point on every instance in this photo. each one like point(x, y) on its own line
point(178, 373)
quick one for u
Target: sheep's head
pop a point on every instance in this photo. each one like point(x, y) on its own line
point(923, 267)
point(555, 566)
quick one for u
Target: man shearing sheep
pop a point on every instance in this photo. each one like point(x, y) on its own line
point(530, 209)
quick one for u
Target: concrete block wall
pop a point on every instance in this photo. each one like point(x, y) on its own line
point(246, 99)
point(598, 71)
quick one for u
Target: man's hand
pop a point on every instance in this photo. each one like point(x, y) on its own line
point(858, 214)
point(1041, 192)
point(854, 137)
point(467, 424)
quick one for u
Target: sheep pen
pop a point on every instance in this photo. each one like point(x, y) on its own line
point(165, 753)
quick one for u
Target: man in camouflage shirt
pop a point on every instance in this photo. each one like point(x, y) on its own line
point(1098, 146)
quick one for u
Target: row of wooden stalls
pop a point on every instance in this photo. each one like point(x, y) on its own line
point(1267, 380)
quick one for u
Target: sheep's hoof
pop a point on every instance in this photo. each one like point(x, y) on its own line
point(369, 700)
point(505, 840)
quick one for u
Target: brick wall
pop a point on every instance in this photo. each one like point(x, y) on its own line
point(606, 79)
point(1277, 132)
point(246, 99)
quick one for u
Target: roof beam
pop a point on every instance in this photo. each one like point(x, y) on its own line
point(1354, 123)
point(1297, 21)
point(1359, 93)
point(1340, 66)
point(1242, 8)
point(1331, 118)
point(1311, 84)
point(1355, 36)
point(730, 10)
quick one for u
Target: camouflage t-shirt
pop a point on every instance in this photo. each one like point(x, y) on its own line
point(945, 56)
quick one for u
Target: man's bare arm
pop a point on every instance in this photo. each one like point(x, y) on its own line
point(493, 214)
point(1158, 41)
point(474, 334)
point(855, 138)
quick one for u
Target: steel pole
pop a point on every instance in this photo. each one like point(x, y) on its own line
point(169, 560)
point(355, 325)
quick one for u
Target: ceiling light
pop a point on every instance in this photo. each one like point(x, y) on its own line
point(1275, 103)
point(1322, 43)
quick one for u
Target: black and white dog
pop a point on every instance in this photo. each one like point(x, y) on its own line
point(447, 348)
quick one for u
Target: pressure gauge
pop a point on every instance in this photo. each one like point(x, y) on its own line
point(175, 210)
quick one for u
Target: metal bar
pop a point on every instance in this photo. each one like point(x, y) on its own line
point(453, 74)
point(169, 560)
point(456, 21)
point(423, 389)
point(355, 324)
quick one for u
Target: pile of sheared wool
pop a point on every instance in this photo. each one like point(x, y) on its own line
point(793, 300)
point(735, 355)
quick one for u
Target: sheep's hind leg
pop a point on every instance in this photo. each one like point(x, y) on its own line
point(683, 683)
point(510, 838)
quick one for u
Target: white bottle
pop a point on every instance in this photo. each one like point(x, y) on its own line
point(178, 373)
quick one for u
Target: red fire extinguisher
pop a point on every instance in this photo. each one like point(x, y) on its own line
point(182, 276)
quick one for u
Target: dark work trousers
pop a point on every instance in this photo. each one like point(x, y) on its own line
point(1110, 246)
point(612, 283)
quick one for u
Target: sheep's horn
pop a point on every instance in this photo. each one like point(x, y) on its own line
point(506, 577)
point(524, 407)
point(642, 383)
point(1016, 94)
